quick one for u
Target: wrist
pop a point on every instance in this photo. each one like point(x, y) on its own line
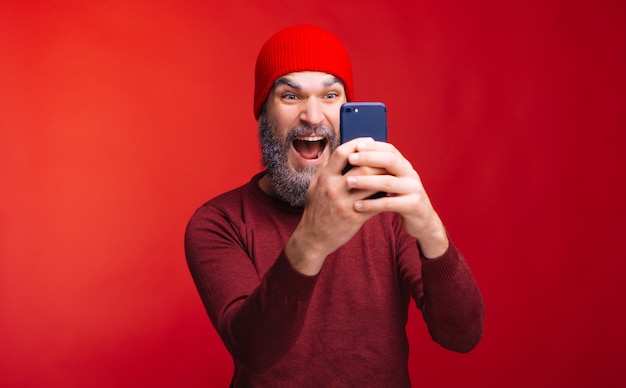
point(302, 257)
point(434, 243)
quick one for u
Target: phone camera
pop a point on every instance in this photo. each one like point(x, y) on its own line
point(348, 110)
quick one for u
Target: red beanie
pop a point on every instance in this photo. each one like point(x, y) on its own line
point(300, 48)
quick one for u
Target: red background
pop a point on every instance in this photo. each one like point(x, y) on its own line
point(119, 118)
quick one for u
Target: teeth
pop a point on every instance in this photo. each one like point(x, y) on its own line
point(311, 138)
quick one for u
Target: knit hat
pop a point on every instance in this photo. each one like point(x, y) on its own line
point(300, 48)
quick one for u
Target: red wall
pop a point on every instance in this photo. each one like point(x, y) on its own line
point(118, 119)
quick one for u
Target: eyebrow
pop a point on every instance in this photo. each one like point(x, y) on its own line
point(295, 85)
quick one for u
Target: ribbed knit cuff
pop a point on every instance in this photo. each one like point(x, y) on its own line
point(290, 282)
point(444, 267)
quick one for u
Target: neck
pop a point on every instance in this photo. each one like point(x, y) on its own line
point(266, 186)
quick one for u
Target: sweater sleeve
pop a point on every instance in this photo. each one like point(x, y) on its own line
point(258, 319)
point(450, 301)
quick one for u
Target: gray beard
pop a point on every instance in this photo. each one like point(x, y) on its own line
point(290, 186)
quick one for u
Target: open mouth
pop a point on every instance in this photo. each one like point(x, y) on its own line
point(310, 147)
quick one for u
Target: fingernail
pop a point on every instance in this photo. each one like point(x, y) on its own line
point(351, 181)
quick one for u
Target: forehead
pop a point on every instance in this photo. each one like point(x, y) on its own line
point(308, 79)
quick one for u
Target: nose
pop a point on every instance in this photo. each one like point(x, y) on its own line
point(312, 112)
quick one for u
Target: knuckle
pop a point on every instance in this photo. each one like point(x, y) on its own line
point(342, 152)
point(387, 183)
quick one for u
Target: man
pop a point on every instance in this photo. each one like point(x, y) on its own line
point(306, 280)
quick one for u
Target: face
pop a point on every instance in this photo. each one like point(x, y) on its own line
point(298, 130)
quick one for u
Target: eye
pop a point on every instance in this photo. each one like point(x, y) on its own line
point(331, 95)
point(289, 96)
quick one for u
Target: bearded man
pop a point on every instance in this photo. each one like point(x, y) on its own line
point(306, 280)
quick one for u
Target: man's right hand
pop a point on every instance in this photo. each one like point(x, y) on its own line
point(329, 219)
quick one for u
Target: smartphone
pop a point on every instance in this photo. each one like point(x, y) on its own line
point(363, 119)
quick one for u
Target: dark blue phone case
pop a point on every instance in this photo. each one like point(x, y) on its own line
point(363, 119)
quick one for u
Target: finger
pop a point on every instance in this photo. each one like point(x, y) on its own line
point(383, 155)
point(366, 170)
point(376, 146)
point(385, 183)
point(391, 161)
point(374, 205)
point(405, 204)
point(339, 158)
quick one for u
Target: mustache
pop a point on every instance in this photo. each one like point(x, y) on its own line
point(305, 130)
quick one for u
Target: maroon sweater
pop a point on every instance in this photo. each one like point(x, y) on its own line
point(343, 327)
